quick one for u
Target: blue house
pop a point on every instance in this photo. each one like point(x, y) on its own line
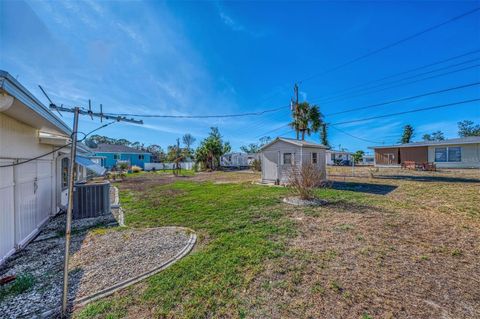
point(110, 155)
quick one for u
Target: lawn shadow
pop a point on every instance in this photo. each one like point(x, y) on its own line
point(378, 189)
point(429, 178)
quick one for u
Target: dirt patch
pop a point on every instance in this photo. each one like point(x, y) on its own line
point(220, 177)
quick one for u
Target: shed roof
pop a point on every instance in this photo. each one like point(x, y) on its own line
point(294, 142)
point(461, 140)
point(113, 148)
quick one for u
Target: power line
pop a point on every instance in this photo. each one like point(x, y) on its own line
point(405, 112)
point(415, 35)
point(259, 122)
point(357, 137)
point(340, 93)
point(200, 116)
point(371, 89)
point(405, 98)
point(274, 130)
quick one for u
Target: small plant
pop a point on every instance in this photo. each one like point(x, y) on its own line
point(457, 252)
point(305, 179)
point(136, 169)
point(335, 286)
point(372, 171)
point(257, 165)
point(122, 166)
point(21, 284)
point(318, 288)
point(366, 316)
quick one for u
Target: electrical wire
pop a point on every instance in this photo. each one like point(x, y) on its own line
point(340, 92)
point(405, 98)
point(371, 89)
point(274, 130)
point(406, 112)
point(357, 137)
point(388, 46)
point(200, 116)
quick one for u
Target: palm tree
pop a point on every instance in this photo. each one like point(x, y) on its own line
point(306, 119)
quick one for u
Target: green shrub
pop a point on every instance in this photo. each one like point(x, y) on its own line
point(21, 284)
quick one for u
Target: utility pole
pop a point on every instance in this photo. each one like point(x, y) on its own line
point(177, 160)
point(71, 180)
point(295, 90)
point(68, 227)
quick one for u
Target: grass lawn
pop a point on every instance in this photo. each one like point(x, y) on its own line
point(393, 246)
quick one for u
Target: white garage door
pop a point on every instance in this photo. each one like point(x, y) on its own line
point(26, 191)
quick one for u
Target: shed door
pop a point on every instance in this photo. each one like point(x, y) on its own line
point(270, 165)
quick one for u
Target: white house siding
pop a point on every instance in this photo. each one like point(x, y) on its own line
point(27, 191)
point(470, 156)
point(7, 232)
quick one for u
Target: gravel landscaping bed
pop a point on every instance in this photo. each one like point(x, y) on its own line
point(101, 256)
point(297, 201)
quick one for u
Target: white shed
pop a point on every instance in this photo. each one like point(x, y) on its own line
point(33, 170)
point(279, 156)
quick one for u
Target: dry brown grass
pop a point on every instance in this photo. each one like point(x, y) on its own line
point(411, 253)
point(404, 244)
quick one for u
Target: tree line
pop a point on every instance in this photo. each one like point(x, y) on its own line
point(465, 128)
point(208, 152)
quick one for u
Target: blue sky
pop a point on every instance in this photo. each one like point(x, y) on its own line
point(183, 58)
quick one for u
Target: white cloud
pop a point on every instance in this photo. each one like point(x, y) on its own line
point(235, 25)
point(230, 22)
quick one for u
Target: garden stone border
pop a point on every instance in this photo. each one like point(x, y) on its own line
point(296, 201)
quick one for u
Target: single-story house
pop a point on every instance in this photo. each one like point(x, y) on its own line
point(34, 156)
point(234, 159)
point(282, 154)
point(334, 157)
point(110, 155)
point(452, 153)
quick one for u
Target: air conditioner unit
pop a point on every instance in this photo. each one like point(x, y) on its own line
point(91, 200)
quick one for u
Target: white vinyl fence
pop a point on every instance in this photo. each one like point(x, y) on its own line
point(163, 166)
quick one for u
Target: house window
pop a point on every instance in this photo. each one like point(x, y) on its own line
point(314, 158)
point(448, 154)
point(440, 154)
point(332, 156)
point(287, 158)
point(64, 173)
point(116, 156)
point(454, 154)
point(141, 157)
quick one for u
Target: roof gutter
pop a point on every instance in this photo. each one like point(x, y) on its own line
point(10, 85)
